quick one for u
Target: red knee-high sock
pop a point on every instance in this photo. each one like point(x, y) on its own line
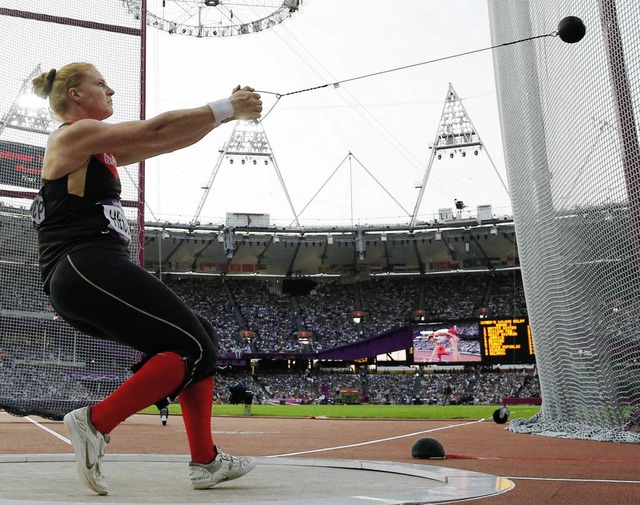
point(196, 402)
point(162, 375)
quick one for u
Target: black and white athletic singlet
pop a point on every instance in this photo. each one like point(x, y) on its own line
point(78, 210)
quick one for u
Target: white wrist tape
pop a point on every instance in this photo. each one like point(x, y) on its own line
point(222, 109)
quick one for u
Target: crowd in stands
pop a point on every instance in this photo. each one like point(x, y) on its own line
point(27, 384)
point(270, 315)
point(260, 316)
point(209, 298)
point(457, 296)
point(507, 297)
point(274, 317)
point(326, 311)
point(474, 386)
point(21, 289)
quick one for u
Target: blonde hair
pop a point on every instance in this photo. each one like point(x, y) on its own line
point(55, 85)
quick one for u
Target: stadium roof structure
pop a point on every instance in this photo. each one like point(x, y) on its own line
point(450, 244)
point(456, 242)
point(442, 246)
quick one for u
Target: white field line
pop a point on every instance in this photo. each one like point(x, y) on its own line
point(369, 442)
point(48, 430)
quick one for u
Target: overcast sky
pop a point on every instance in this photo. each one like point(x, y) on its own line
point(387, 121)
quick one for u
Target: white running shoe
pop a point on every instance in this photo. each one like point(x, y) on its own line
point(223, 467)
point(89, 446)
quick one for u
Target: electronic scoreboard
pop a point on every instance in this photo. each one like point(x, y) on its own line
point(506, 341)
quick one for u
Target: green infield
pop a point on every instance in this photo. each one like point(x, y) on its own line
point(366, 411)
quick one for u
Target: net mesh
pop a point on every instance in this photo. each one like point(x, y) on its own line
point(569, 116)
point(46, 367)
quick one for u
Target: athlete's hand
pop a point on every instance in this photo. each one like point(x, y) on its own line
point(246, 103)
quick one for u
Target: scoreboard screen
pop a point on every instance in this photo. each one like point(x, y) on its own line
point(447, 342)
point(20, 164)
point(506, 341)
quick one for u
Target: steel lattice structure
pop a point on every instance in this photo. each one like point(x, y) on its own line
point(213, 18)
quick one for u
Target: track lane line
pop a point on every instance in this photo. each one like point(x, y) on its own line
point(337, 447)
point(49, 430)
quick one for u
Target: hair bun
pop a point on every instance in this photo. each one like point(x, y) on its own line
point(43, 84)
point(51, 75)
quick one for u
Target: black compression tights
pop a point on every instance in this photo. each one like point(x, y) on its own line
point(102, 293)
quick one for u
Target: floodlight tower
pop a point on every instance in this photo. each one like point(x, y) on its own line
point(456, 134)
point(28, 112)
point(248, 143)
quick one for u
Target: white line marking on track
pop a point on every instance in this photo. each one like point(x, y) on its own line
point(375, 441)
point(378, 500)
point(559, 479)
point(50, 431)
point(218, 432)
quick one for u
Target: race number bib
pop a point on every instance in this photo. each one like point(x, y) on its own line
point(117, 221)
